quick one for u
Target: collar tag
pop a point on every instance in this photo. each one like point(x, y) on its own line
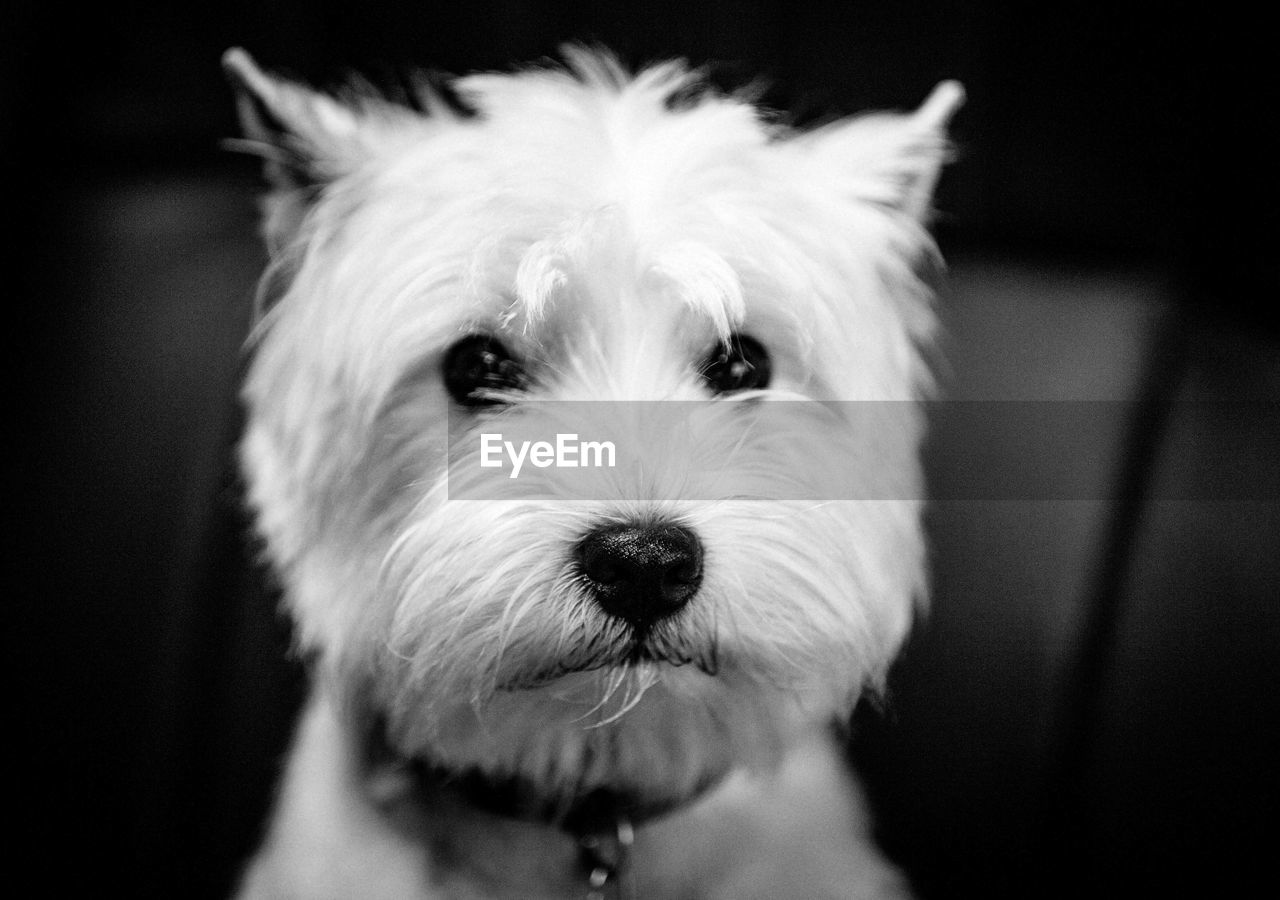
point(606, 857)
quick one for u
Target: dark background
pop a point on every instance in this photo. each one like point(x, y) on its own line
point(1105, 153)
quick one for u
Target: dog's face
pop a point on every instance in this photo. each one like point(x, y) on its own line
point(577, 255)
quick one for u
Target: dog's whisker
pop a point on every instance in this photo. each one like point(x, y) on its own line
point(636, 686)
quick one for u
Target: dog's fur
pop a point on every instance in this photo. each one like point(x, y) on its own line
point(610, 230)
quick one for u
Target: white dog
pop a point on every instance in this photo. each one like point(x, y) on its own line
point(540, 671)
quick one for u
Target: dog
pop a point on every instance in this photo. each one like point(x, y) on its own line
point(539, 669)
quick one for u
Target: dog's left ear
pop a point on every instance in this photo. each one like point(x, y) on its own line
point(305, 139)
point(893, 159)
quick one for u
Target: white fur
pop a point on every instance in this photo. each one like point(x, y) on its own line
point(610, 241)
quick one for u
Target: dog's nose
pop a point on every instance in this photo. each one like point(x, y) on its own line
point(641, 573)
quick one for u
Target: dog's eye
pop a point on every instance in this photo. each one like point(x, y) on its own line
point(740, 365)
point(478, 365)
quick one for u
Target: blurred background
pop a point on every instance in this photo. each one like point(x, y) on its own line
point(1091, 709)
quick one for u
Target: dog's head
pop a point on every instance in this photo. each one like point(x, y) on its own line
point(730, 306)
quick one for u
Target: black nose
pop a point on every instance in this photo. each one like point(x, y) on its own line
point(641, 573)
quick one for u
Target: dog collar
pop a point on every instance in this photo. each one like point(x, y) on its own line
point(601, 823)
point(593, 812)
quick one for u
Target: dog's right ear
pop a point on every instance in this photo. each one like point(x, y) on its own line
point(892, 160)
point(305, 139)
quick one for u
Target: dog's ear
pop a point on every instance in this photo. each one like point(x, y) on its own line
point(893, 159)
point(305, 139)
